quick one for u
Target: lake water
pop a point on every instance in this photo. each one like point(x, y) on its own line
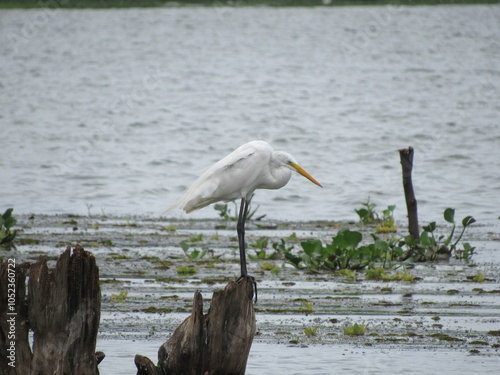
point(118, 111)
point(317, 359)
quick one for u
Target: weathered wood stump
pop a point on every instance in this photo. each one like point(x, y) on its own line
point(217, 343)
point(406, 157)
point(63, 310)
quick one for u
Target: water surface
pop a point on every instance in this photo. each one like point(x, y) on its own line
point(270, 359)
point(117, 111)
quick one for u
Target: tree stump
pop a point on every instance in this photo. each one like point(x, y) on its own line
point(406, 156)
point(217, 343)
point(63, 310)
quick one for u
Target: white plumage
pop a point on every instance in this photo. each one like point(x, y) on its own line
point(251, 166)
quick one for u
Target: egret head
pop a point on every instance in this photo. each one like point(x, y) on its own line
point(289, 161)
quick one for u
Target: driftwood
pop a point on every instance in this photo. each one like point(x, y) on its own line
point(63, 310)
point(217, 343)
point(406, 156)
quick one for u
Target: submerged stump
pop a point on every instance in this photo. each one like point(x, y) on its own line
point(63, 311)
point(217, 343)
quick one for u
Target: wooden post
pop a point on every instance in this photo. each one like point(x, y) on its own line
point(63, 310)
point(217, 343)
point(406, 156)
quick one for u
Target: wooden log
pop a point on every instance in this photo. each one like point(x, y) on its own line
point(217, 343)
point(64, 307)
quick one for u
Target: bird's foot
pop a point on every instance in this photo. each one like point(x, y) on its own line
point(253, 291)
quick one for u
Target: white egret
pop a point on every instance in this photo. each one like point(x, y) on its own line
point(251, 166)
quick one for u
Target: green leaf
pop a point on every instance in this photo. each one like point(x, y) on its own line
point(204, 251)
point(410, 240)
point(430, 228)
point(7, 220)
point(184, 246)
point(7, 213)
point(353, 238)
point(347, 239)
point(361, 212)
point(468, 220)
point(294, 260)
point(312, 246)
point(383, 246)
point(425, 240)
point(449, 215)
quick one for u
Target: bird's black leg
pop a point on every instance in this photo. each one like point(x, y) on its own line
point(240, 228)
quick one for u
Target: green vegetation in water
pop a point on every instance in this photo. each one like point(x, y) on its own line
point(169, 228)
point(479, 278)
point(428, 247)
point(228, 214)
point(444, 337)
point(159, 263)
point(381, 274)
point(156, 310)
point(186, 270)
point(169, 280)
point(387, 224)
point(260, 248)
point(193, 254)
point(108, 243)
point(348, 274)
point(7, 235)
point(311, 331)
point(368, 215)
point(356, 329)
point(268, 266)
point(27, 241)
point(307, 309)
point(120, 297)
point(345, 251)
point(116, 256)
point(197, 238)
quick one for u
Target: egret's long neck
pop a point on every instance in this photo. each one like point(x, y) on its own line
point(280, 173)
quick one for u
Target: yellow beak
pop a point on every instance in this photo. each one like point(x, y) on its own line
point(302, 171)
